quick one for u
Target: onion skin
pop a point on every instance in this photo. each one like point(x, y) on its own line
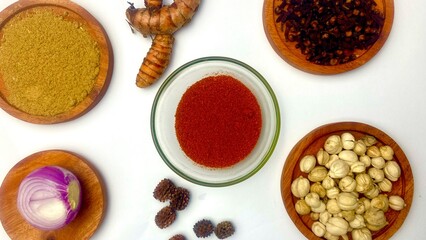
point(49, 197)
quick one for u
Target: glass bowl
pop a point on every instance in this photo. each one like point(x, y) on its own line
point(163, 121)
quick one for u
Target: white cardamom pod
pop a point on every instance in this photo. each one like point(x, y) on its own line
point(392, 170)
point(307, 163)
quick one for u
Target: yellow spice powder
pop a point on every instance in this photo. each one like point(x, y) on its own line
point(48, 63)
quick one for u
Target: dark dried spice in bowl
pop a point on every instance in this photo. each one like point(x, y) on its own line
point(329, 32)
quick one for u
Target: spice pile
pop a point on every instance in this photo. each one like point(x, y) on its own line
point(346, 185)
point(330, 32)
point(218, 121)
point(48, 63)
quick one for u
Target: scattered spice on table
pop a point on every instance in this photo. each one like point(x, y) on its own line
point(330, 32)
point(48, 63)
point(218, 121)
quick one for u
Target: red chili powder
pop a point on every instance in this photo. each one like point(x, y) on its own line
point(218, 121)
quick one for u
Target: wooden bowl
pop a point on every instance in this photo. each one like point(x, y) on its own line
point(287, 50)
point(313, 141)
point(75, 14)
point(93, 198)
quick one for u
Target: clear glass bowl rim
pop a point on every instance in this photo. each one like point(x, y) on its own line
point(171, 78)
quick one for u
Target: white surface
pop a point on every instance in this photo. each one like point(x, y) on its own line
point(388, 93)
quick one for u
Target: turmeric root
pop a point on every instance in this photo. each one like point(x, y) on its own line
point(161, 21)
point(156, 60)
point(153, 4)
point(168, 19)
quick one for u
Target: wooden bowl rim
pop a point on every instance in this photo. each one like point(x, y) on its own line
point(338, 127)
point(292, 56)
point(93, 206)
point(106, 60)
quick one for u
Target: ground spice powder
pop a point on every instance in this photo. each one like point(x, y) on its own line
point(48, 64)
point(218, 121)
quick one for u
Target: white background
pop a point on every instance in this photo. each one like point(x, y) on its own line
point(388, 92)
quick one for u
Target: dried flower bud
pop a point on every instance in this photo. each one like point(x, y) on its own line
point(180, 199)
point(164, 190)
point(178, 237)
point(224, 230)
point(203, 228)
point(165, 217)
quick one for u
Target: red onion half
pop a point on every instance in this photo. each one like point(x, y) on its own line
point(49, 197)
